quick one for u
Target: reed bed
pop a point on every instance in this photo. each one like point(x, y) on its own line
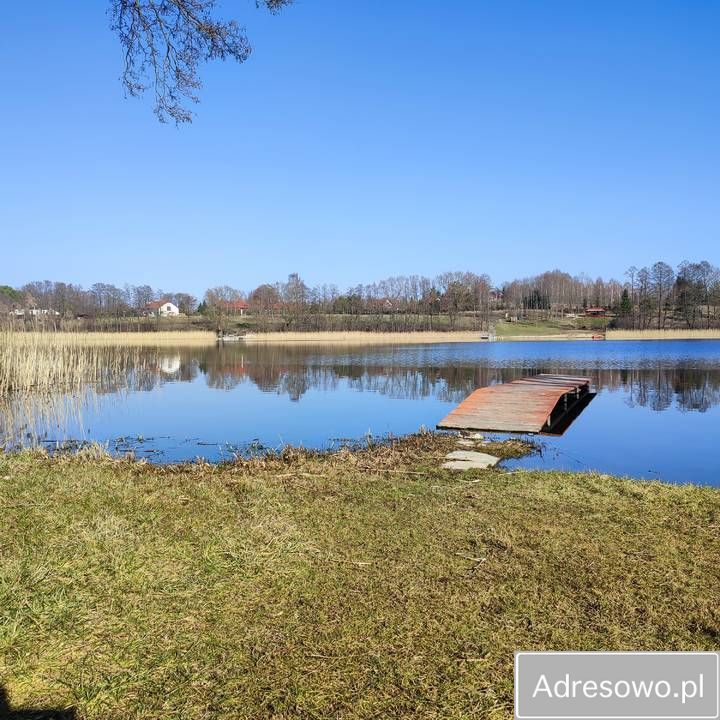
point(47, 378)
point(39, 362)
point(364, 338)
point(29, 418)
point(110, 339)
point(681, 334)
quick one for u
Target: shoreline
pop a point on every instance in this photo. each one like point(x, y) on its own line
point(339, 337)
point(408, 338)
point(358, 337)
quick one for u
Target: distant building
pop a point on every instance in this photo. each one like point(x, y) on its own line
point(381, 305)
point(162, 308)
point(234, 307)
point(595, 312)
point(34, 312)
point(496, 295)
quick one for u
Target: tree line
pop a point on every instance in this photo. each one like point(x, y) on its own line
point(99, 300)
point(653, 296)
point(648, 297)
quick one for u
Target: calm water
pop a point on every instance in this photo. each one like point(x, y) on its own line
point(656, 415)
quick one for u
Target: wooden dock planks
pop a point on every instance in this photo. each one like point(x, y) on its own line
point(528, 405)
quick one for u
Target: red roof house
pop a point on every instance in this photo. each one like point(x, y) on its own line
point(234, 307)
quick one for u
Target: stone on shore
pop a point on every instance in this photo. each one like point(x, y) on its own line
point(469, 460)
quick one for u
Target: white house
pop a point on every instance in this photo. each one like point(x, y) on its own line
point(170, 364)
point(163, 308)
point(34, 312)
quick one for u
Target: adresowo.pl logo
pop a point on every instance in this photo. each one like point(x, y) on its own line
point(613, 685)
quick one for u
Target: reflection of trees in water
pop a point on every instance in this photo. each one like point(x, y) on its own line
point(692, 388)
point(397, 372)
point(446, 383)
point(293, 371)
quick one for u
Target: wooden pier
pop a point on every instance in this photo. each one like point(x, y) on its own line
point(534, 404)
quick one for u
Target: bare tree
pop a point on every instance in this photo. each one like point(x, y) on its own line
point(644, 297)
point(662, 278)
point(631, 273)
point(295, 295)
point(709, 278)
point(186, 303)
point(264, 300)
point(141, 296)
point(218, 301)
point(165, 40)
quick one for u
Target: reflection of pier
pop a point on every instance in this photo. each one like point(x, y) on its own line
point(540, 403)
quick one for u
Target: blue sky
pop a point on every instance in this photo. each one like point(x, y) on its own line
point(363, 140)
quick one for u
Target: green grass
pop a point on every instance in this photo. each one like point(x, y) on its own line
point(355, 585)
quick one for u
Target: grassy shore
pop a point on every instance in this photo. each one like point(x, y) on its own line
point(542, 330)
point(663, 334)
point(539, 337)
point(353, 585)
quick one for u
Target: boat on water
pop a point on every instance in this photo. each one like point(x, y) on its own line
point(233, 337)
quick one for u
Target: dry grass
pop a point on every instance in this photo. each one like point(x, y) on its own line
point(37, 361)
point(46, 377)
point(354, 585)
point(663, 335)
point(108, 339)
point(364, 338)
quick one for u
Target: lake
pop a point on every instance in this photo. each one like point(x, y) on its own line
point(656, 414)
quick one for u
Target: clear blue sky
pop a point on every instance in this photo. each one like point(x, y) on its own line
point(367, 139)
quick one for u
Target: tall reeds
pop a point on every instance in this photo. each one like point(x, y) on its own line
point(37, 361)
point(680, 334)
point(47, 378)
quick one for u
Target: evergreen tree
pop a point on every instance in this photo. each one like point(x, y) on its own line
point(625, 303)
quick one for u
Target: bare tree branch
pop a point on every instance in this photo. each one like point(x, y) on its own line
point(164, 42)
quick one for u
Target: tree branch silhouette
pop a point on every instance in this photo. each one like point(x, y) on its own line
point(164, 41)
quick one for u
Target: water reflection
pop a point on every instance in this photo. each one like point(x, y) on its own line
point(304, 394)
point(690, 384)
